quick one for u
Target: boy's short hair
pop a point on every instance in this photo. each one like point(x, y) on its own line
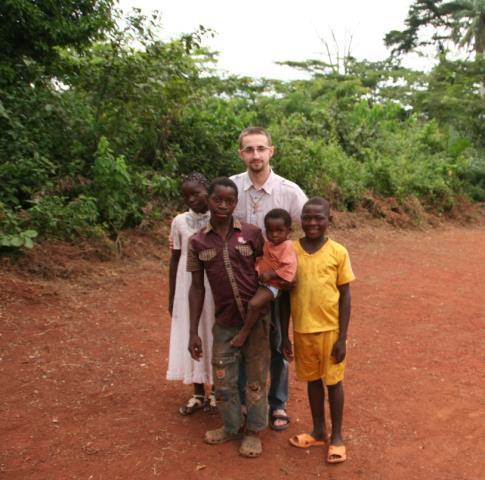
point(255, 131)
point(278, 213)
point(318, 201)
point(224, 182)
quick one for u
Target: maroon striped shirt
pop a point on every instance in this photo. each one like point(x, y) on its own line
point(230, 267)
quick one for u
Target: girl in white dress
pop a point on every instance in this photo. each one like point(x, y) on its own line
point(180, 364)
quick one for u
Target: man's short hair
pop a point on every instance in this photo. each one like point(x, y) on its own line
point(319, 201)
point(278, 213)
point(255, 131)
point(224, 182)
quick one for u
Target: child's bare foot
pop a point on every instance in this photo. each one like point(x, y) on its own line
point(239, 339)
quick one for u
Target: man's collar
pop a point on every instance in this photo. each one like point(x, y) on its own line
point(267, 185)
point(236, 225)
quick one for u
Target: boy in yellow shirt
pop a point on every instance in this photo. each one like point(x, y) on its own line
point(320, 312)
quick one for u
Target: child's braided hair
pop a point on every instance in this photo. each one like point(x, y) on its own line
point(196, 178)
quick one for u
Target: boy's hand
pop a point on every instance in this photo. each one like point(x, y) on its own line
point(339, 350)
point(287, 349)
point(195, 347)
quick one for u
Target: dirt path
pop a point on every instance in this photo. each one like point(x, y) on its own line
point(82, 370)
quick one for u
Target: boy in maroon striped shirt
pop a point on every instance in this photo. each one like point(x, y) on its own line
point(226, 250)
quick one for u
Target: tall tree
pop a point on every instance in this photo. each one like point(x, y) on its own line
point(460, 21)
point(33, 30)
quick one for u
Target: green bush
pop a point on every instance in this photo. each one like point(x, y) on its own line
point(58, 217)
point(12, 234)
point(113, 189)
point(352, 127)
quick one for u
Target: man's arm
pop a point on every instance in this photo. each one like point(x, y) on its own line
point(196, 302)
point(298, 199)
point(339, 349)
point(172, 277)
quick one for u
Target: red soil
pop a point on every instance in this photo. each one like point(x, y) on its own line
point(84, 395)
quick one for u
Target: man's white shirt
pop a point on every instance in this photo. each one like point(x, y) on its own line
point(277, 192)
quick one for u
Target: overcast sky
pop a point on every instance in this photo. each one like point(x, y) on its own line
point(251, 35)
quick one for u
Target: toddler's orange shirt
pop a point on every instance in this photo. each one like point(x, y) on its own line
point(280, 259)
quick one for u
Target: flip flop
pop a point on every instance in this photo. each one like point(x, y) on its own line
point(195, 402)
point(336, 454)
point(305, 440)
point(273, 417)
point(251, 446)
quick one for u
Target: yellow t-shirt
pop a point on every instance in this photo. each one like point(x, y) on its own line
point(314, 300)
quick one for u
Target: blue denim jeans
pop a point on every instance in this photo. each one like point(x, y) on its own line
point(226, 362)
point(278, 391)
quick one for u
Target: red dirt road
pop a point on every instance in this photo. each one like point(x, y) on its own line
point(84, 395)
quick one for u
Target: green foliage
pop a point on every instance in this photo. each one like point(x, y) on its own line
point(323, 169)
point(32, 31)
point(132, 96)
point(18, 240)
point(454, 97)
point(12, 235)
point(353, 128)
point(66, 219)
point(472, 174)
point(112, 188)
point(460, 21)
point(204, 138)
point(152, 186)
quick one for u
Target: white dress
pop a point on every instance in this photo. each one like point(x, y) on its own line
point(181, 366)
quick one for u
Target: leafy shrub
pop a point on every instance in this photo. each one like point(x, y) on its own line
point(56, 216)
point(150, 185)
point(113, 189)
point(353, 127)
point(12, 235)
point(322, 169)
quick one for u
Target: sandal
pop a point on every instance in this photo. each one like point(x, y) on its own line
point(211, 404)
point(251, 446)
point(279, 416)
point(195, 402)
point(219, 435)
point(336, 454)
point(306, 440)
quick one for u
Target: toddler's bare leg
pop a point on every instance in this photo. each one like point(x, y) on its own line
point(256, 307)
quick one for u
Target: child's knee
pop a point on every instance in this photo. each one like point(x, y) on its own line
point(255, 304)
point(254, 392)
point(335, 386)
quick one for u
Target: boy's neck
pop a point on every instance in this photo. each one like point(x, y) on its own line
point(258, 179)
point(222, 228)
point(276, 244)
point(311, 245)
point(201, 212)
